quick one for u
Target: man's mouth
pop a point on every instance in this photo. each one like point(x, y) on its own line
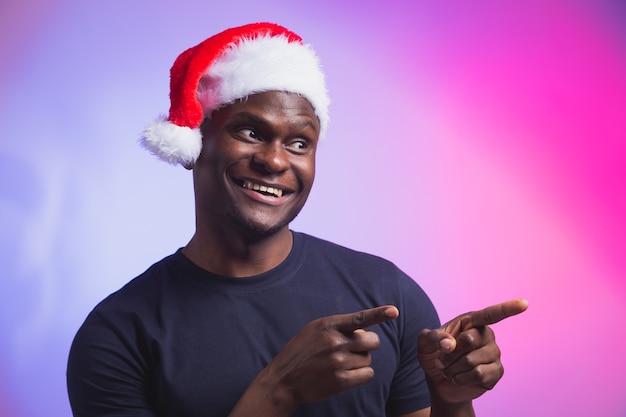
point(263, 189)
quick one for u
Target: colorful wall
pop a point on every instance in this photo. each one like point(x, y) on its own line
point(481, 146)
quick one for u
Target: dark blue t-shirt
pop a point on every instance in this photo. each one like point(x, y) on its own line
point(180, 341)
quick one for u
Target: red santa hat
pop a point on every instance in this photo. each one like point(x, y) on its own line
point(226, 67)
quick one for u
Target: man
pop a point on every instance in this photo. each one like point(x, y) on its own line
point(251, 318)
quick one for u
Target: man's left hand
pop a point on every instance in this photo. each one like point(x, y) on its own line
point(461, 358)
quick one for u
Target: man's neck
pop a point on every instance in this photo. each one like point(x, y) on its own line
point(237, 257)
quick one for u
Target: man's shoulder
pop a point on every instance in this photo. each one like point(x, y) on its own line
point(327, 247)
point(144, 286)
point(334, 252)
point(375, 279)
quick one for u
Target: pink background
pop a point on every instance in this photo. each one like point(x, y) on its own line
point(481, 146)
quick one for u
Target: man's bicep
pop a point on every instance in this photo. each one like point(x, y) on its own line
point(103, 377)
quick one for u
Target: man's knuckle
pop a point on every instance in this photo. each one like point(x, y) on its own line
point(336, 344)
point(481, 376)
point(471, 361)
point(358, 319)
point(343, 379)
point(467, 340)
point(337, 360)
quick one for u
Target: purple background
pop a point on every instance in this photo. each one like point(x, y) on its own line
point(481, 146)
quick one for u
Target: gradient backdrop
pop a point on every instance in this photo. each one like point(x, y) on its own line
point(480, 145)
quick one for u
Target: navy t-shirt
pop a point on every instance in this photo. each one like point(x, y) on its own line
point(181, 341)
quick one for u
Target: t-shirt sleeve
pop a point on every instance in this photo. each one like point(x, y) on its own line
point(106, 373)
point(409, 391)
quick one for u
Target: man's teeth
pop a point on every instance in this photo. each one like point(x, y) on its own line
point(276, 192)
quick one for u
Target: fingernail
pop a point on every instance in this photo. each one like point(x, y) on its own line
point(445, 344)
point(439, 364)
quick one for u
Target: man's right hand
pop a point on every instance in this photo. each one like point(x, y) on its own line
point(328, 356)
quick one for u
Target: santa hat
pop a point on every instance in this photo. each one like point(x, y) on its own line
point(226, 67)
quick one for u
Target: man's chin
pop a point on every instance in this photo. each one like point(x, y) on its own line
point(257, 230)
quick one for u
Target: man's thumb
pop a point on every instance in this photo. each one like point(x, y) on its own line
point(436, 340)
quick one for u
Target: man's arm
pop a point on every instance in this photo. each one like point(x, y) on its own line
point(102, 379)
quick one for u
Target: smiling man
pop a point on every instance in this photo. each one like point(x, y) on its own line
point(251, 318)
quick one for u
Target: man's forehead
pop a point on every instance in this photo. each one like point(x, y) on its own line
point(256, 106)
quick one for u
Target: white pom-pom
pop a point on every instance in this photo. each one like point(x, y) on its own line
point(171, 143)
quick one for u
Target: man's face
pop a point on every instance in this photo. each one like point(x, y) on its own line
point(257, 164)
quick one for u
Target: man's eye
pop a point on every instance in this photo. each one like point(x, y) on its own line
point(249, 133)
point(300, 145)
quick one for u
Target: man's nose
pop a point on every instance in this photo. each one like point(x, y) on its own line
point(272, 158)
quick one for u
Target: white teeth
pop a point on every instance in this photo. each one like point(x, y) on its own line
point(277, 192)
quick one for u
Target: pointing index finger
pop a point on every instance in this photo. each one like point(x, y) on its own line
point(498, 312)
point(364, 318)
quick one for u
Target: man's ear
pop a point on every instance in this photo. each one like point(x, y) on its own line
point(203, 130)
point(190, 165)
point(204, 126)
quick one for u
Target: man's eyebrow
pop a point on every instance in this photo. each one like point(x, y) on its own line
point(306, 123)
point(253, 118)
point(246, 116)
